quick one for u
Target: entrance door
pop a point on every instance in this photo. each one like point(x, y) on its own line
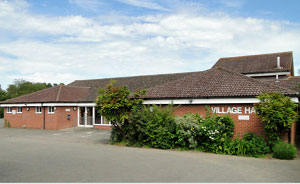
point(85, 117)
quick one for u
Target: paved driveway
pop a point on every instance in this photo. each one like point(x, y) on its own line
point(84, 155)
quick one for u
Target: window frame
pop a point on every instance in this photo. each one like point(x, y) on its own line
point(36, 110)
point(51, 109)
point(8, 110)
point(19, 110)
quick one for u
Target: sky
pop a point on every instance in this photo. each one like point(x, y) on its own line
point(59, 41)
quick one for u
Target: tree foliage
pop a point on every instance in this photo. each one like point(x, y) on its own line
point(277, 112)
point(21, 87)
point(116, 103)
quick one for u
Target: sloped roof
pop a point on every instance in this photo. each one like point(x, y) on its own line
point(263, 63)
point(213, 83)
point(291, 83)
point(134, 83)
point(55, 94)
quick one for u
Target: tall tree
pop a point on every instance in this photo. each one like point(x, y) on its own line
point(21, 87)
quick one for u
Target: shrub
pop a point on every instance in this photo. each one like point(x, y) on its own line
point(154, 127)
point(282, 150)
point(116, 103)
point(188, 130)
point(277, 112)
point(1, 112)
point(214, 131)
point(249, 145)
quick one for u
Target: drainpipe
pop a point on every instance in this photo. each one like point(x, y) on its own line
point(44, 119)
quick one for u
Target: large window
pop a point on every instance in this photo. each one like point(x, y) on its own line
point(8, 110)
point(19, 109)
point(51, 110)
point(38, 110)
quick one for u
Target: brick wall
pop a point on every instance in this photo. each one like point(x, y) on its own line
point(26, 119)
point(30, 119)
point(240, 126)
point(254, 124)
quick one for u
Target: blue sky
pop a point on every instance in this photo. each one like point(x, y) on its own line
point(64, 40)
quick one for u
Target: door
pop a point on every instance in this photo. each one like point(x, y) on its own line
point(85, 117)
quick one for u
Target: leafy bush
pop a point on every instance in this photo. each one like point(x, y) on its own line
point(277, 112)
point(154, 127)
point(188, 131)
point(1, 112)
point(249, 145)
point(282, 150)
point(214, 131)
point(116, 103)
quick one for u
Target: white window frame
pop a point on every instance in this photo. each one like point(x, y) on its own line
point(51, 110)
point(9, 110)
point(19, 110)
point(36, 110)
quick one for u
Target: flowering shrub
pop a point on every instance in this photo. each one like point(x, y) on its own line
point(188, 131)
point(213, 133)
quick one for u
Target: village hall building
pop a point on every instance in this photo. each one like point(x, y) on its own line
point(230, 87)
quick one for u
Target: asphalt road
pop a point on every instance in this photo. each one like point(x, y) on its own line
point(85, 156)
point(1, 122)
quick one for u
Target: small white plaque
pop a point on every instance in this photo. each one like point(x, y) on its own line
point(243, 117)
point(14, 111)
point(68, 110)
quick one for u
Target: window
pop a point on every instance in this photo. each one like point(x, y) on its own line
point(19, 109)
point(38, 110)
point(8, 110)
point(51, 110)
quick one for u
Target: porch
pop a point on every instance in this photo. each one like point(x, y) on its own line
point(88, 118)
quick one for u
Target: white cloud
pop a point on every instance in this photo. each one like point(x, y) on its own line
point(144, 4)
point(82, 47)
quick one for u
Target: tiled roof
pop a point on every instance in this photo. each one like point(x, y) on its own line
point(134, 83)
point(264, 63)
point(291, 83)
point(214, 83)
point(55, 94)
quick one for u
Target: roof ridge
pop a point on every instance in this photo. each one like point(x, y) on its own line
point(112, 78)
point(58, 93)
point(76, 86)
point(255, 80)
point(256, 55)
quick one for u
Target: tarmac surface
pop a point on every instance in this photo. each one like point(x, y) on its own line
point(84, 155)
point(1, 122)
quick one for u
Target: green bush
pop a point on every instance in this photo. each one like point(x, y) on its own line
point(214, 131)
point(188, 131)
point(1, 112)
point(249, 145)
point(282, 150)
point(154, 127)
point(277, 112)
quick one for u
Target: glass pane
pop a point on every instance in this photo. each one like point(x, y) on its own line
point(105, 121)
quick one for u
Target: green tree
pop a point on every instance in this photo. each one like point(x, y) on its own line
point(116, 103)
point(3, 96)
point(277, 112)
point(21, 87)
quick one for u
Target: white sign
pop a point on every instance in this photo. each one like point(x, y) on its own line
point(68, 110)
point(13, 111)
point(243, 117)
point(233, 110)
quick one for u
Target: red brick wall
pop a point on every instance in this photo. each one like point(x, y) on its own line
point(62, 113)
point(31, 119)
point(240, 126)
point(26, 119)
